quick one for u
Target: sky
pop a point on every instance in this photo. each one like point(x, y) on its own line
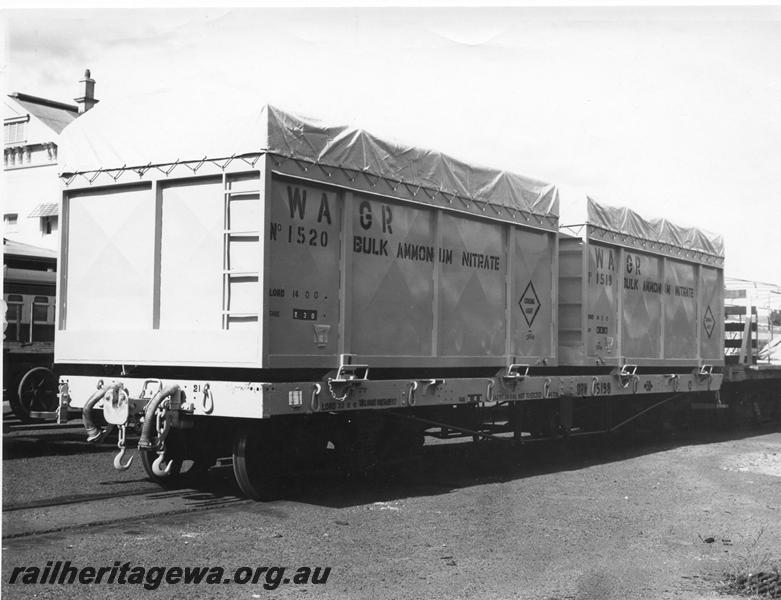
point(673, 112)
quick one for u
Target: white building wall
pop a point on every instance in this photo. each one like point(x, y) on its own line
point(25, 189)
point(30, 179)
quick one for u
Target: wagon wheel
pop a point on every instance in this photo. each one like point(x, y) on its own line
point(256, 463)
point(37, 392)
point(186, 464)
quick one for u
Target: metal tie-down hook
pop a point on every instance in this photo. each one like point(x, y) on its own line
point(157, 466)
point(118, 461)
point(118, 458)
point(163, 426)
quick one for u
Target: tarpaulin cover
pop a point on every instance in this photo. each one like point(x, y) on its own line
point(127, 135)
point(625, 221)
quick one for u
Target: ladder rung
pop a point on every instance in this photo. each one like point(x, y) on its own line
point(239, 314)
point(231, 273)
point(254, 233)
point(244, 193)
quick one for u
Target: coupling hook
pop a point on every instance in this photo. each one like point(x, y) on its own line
point(118, 461)
point(157, 466)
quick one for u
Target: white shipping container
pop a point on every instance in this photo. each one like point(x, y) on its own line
point(637, 291)
point(307, 244)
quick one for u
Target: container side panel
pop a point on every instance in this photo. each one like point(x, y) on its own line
point(110, 260)
point(191, 257)
point(302, 293)
point(159, 347)
point(241, 256)
point(532, 300)
point(243, 182)
point(602, 301)
point(393, 254)
point(472, 294)
point(244, 254)
point(711, 320)
point(244, 213)
point(642, 306)
point(680, 310)
point(570, 292)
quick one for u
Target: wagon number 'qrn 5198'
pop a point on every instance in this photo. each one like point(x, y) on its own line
point(600, 388)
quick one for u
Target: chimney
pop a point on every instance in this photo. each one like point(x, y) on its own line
point(88, 100)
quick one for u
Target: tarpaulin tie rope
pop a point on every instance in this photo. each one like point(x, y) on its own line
point(198, 166)
point(390, 183)
point(119, 172)
point(172, 167)
point(463, 201)
point(250, 163)
point(324, 170)
point(347, 173)
point(429, 196)
point(410, 187)
point(95, 176)
point(229, 161)
point(368, 178)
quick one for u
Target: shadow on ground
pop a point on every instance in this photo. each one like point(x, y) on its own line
point(441, 468)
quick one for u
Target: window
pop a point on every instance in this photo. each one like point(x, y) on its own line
point(13, 313)
point(11, 221)
point(15, 131)
point(40, 309)
point(48, 225)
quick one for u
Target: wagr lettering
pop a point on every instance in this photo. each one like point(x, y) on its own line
point(599, 256)
point(368, 245)
point(296, 200)
point(684, 292)
point(415, 252)
point(476, 260)
point(633, 264)
point(366, 218)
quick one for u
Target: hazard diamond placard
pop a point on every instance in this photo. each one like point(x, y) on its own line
point(708, 321)
point(529, 304)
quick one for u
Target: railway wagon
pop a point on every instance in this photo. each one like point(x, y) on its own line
point(29, 277)
point(276, 289)
point(637, 291)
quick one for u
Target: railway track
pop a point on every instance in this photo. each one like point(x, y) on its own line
point(86, 511)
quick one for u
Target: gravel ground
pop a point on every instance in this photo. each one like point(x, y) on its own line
point(636, 519)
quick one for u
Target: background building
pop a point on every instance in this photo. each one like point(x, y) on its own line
point(31, 191)
point(31, 207)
